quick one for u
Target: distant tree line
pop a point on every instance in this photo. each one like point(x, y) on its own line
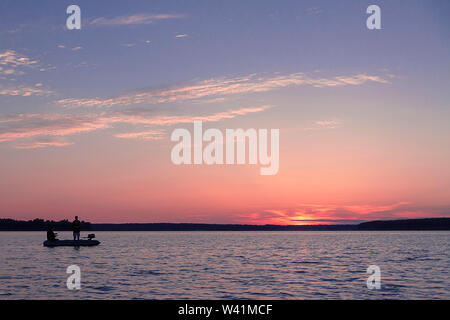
point(65, 225)
point(430, 224)
point(39, 225)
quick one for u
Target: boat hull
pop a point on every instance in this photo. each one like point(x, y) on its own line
point(71, 243)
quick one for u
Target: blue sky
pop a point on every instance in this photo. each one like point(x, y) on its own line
point(240, 37)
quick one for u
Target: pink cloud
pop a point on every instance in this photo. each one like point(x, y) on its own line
point(24, 126)
point(30, 125)
point(332, 213)
point(24, 91)
point(143, 135)
point(324, 124)
point(218, 88)
point(13, 59)
point(37, 145)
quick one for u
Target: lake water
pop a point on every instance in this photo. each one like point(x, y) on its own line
point(229, 265)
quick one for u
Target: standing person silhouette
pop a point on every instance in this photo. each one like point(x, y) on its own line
point(76, 227)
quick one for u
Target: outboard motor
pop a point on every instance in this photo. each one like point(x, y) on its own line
point(91, 236)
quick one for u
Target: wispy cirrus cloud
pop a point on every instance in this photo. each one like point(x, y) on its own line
point(314, 11)
point(43, 142)
point(76, 48)
point(324, 124)
point(26, 126)
point(24, 91)
point(23, 126)
point(13, 59)
point(10, 71)
point(142, 135)
point(145, 117)
point(135, 19)
point(14, 64)
point(218, 88)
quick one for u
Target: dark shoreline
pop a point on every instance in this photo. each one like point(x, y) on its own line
point(427, 224)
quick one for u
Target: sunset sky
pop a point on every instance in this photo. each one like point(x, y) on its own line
point(86, 115)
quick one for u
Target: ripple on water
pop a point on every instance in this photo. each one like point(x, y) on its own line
point(237, 265)
point(146, 272)
point(104, 288)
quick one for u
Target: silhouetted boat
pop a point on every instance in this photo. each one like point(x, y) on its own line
point(71, 243)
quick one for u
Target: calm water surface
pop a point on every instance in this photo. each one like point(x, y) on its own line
point(229, 265)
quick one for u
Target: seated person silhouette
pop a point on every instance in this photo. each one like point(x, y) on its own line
point(51, 236)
